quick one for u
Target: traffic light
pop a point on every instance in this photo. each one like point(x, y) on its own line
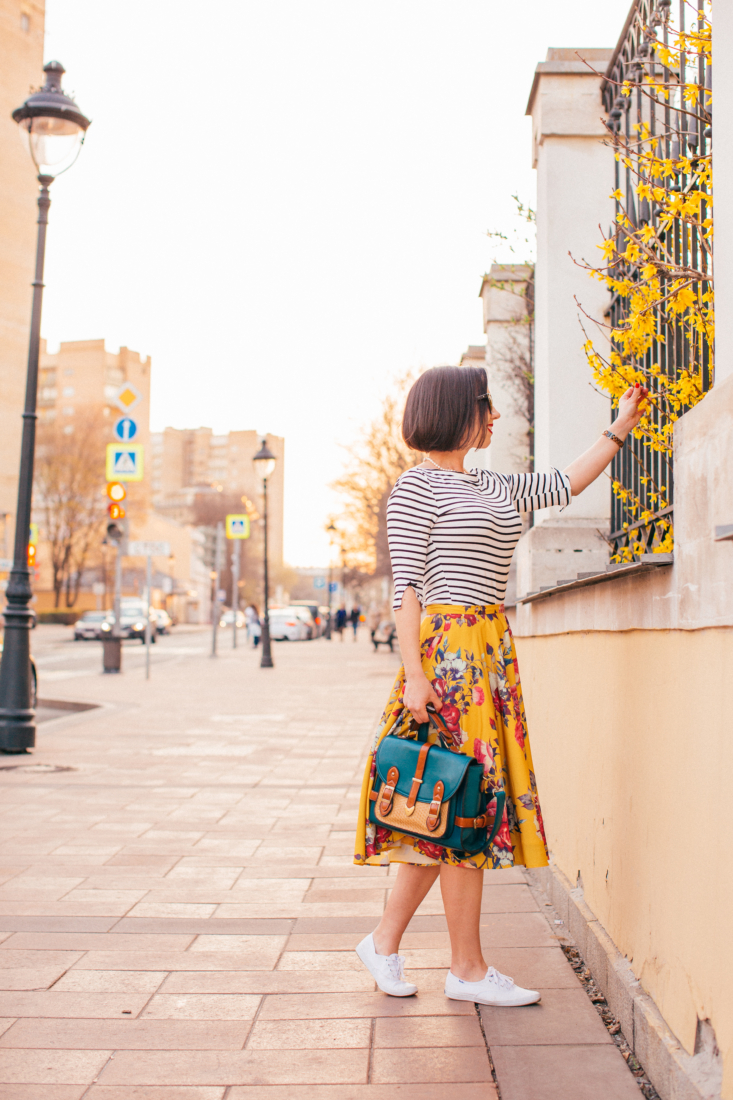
point(115, 511)
point(116, 491)
point(118, 532)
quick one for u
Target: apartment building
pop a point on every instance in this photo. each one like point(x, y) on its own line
point(190, 464)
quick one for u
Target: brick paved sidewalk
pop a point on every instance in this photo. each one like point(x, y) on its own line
point(178, 913)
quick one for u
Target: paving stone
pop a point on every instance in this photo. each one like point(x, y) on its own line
point(565, 1016)
point(149, 1092)
point(309, 1034)
point(50, 1067)
point(445, 1064)
point(255, 1067)
point(565, 1072)
point(458, 1091)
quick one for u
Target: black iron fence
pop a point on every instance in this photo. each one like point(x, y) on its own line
point(683, 131)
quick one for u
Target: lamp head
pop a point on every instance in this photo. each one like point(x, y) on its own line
point(264, 461)
point(52, 125)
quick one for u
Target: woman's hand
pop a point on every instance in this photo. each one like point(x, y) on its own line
point(629, 408)
point(417, 694)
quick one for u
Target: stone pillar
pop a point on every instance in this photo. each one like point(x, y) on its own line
point(723, 189)
point(574, 182)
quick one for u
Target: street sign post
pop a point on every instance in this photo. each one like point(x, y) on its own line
point(124, 462)
point(217, 573)
point(125, 429)
point(319, 582)
point(237, 526)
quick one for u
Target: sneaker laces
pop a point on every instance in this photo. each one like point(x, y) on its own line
point(396, 967)
point(502, 980)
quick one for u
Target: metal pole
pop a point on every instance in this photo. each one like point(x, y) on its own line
point(328, 620)
point(235, 590)
point(215, 603)
point(148, 585)
point(17, 715)
point(266, 661)
point(116, 630)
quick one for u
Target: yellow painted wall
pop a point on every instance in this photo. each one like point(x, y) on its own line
point(632, 738)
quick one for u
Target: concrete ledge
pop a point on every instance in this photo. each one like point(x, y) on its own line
point(675, 1074)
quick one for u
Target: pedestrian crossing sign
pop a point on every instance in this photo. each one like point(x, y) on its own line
point(124, 462)
point(237, 527)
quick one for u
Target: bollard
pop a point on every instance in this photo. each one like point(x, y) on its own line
point(112, 648)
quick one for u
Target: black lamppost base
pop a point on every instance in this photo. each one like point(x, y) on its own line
point(17, 731)
point(266, 661)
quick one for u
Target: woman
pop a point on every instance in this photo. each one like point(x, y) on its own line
point(452, 534)
point(254, 626)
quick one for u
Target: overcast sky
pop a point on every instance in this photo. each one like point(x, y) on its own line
point(285, 202)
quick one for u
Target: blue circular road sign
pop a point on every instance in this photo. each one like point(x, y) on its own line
point(125, 429)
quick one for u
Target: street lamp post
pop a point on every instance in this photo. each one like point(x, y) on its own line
point(331, 531)
point(54, 128)
point(264, 463)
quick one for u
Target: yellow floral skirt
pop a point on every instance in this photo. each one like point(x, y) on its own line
point(468, 655)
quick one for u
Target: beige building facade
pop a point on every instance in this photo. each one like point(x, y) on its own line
point(186, 463)
point(627, 678)
point(21, 66)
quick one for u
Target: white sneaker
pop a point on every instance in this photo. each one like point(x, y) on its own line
point(495, 989)
point(388, 971)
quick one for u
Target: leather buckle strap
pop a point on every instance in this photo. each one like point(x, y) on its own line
point(387, 794)
point(416, 779)
point(472, 822)
point(433, 818)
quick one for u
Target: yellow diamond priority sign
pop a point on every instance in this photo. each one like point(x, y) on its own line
point(238, 527)
point(124, 462)
point(127, 397)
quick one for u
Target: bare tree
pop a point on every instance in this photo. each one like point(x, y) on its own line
point(375, 461)
point(69, 496)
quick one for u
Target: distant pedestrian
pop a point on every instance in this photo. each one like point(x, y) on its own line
point(254, 626)
point(355, 618)
point(340, 622)
point(373, 619)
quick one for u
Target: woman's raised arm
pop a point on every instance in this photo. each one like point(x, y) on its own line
point(585, 469)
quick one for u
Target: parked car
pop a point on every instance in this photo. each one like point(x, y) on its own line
point(385, 634)
point(228, 617)
point(163, 621)
point(89, 626)
point(285, 625)
point(316, 617)
point(306, 616)
point(132, 620)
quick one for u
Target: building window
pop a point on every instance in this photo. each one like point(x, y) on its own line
point(68, 372)
point(25, 22)
point(68, 391)
point(68, 410)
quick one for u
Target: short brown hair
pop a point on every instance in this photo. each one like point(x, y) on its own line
point(442, 411)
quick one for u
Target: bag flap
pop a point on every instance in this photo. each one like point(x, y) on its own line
point(442, 764)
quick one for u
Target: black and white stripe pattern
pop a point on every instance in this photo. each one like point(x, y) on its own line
point(452, 535)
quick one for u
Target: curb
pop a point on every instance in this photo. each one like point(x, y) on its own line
point(675, 1074)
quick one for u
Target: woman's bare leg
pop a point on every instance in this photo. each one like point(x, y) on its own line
point(413, 883)
point(461, 889)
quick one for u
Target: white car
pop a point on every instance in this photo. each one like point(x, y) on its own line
point(89, 625)
point(163, 621)
point(285, 625)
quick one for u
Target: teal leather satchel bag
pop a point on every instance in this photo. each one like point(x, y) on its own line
point(430, 792)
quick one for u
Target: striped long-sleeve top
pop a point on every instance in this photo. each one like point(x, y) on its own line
point(452, 535)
